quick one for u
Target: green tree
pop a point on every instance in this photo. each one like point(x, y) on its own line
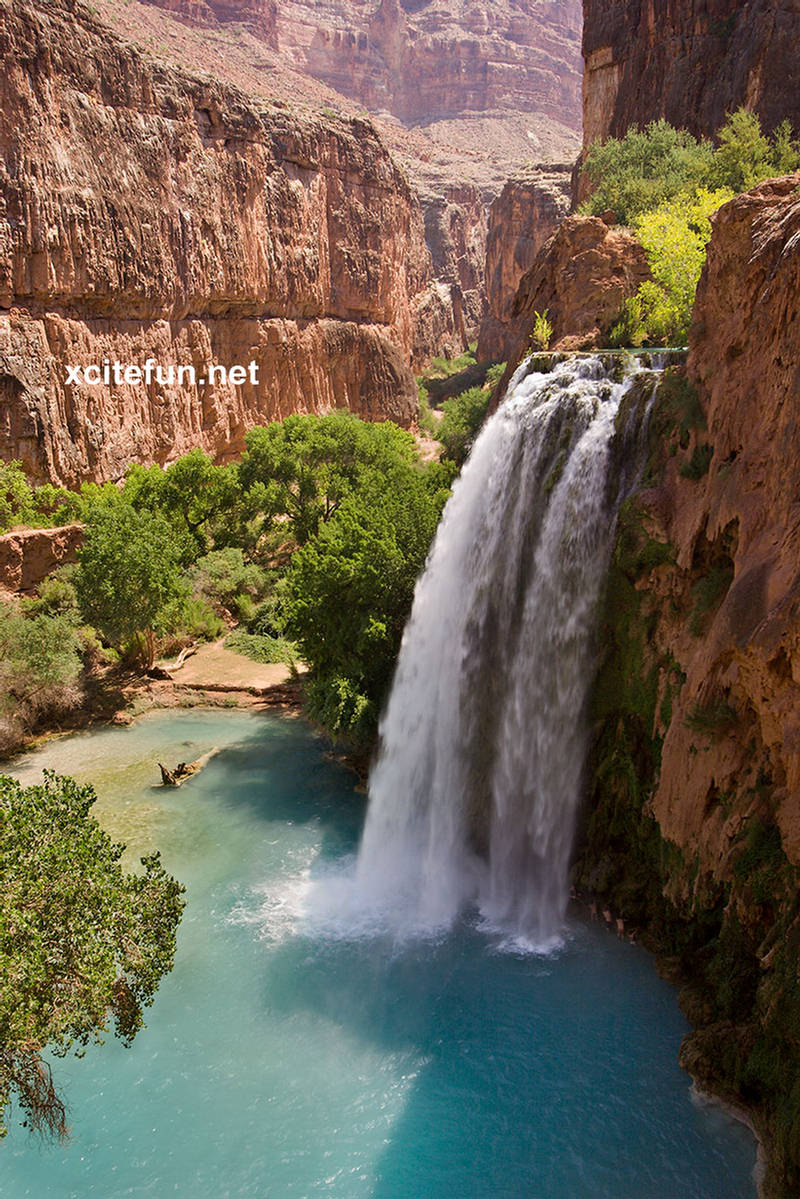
point(646, 167)
point(462, 417)
point(130, 570)
point(40, 662)
point(674, 236)
point(744, 155)
point(17, 506)
point(82, 944)
point(349, 592)
point(297, 472)
point(193, 492)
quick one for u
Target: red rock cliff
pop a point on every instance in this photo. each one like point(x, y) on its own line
point(144, 213)
point(425, 61)
point(695, 779)
point(690, 61)
point(522, 218)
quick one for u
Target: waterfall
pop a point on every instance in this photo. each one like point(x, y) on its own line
point(474, 796)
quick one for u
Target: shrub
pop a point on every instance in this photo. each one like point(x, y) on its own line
point(711, 719)
point(542, 331)
point(645, 168)
point(262, 648)
point(462, 417)
point(230, 583)
point(674, 236)
point(709, 592)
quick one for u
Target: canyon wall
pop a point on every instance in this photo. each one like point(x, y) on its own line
point(579, 280)
point(693, 828)
point(522, 218)
point(29, 555)
point(144, 213)
point(690, 61)
point(429, 61)
point(261, 16)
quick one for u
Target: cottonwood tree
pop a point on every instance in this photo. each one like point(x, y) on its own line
point(130, 570)
point(83, 945)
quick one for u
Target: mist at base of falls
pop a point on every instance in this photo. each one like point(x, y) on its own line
point(474, 796)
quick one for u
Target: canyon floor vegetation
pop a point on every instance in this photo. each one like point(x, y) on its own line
point(308, 547)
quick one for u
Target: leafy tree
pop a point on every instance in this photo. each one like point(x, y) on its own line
point(17, 506)
point(646, 167)
point(193, 491)
point(23, 504)
point(462, 417)
point(40, 662)
point(785, 150)
point(349, 591)
point(298, 472)
point(744, 155)
point(130, 570)
point(674, 236)
point(82, 944)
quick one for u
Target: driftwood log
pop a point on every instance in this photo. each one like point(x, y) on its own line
point(185, 770)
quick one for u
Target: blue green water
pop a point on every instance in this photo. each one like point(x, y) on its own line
point(283, 1061)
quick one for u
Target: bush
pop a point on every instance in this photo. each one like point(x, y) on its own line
point(230, 583)
point(40, 663)
point(462, 417)
point(697, 466)
point(542, 331)
point(645, 168)
point(262, 648)
point(708, 593)
point(711, 719)
point(674, 236)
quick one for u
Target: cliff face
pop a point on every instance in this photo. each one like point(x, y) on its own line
point(694, 823)
point(691, 61)
point(580, 278)
point(260, 15)
point(425, 62)
point(455, 232)
point(30, 555)
point(522, 218)
point(146, 214)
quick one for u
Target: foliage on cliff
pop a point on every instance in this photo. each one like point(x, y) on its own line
point(666, 184)
point(639, 172)
point(83, 945)
point(674, 236)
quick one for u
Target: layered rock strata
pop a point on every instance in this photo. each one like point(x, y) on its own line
point(523, 217)
point(580, 280)
point(693, 832)
point(424, 62)
point(144, 213)
point(691, 61)
point(30, 555)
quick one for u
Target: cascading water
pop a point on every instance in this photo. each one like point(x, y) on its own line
point(475, 793)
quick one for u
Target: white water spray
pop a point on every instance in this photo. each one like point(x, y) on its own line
point(475, 793)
